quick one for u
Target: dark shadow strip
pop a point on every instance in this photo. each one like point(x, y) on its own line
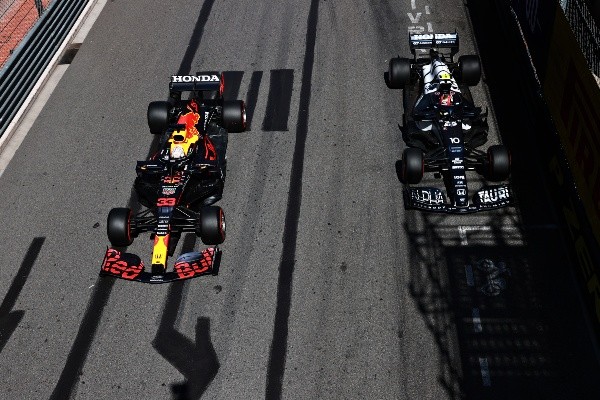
point(290, 231)
point(252, 97)
point(195, 359)
point(280, 98)
point(89, 325)
point(10, 320)
point(22, 274)
point(194, 43)
point(233, 81)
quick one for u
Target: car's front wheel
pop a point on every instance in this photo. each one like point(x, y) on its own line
point(412, 166)
point(118, 227)
point(498, 163)
point(211, 226)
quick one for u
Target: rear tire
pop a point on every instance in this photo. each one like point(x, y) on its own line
point(118, 227)
point(211, 227)
point(234, 115)
point(469, 70)
point(158, 117)
point(498, 163)
point(412, 166)
point(399, 72)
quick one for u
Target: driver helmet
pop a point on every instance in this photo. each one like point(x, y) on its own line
point(444, 76)
point(177, 152)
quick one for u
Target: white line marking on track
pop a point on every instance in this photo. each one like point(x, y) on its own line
point(463, 229)
point(429, 27)
point(469, 274)
point(413, 4)
point(427, 10)
point(477, 327)
point(485, 371)
point(414, 19)
point(91, 286)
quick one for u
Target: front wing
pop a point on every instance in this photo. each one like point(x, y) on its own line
point(434, 200)
point(189, 265)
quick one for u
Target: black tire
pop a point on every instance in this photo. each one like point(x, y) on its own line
point(158, 117)
point(469, 70)
point(399, 72)
point(498, 163)
point(234, 115)
point(413, 166)
point(211, 227)
point(118, 227)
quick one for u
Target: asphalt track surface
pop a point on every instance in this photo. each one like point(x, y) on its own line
point(328, 288)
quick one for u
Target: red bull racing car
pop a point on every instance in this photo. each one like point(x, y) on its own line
point(179, 184)
point(443, 129)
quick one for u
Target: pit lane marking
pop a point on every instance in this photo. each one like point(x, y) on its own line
point(485, 371)
point(464, 229)
point(415, 18)
point(477, 327)
point(469, 274)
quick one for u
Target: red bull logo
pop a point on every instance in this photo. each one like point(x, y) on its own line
point(190, 120)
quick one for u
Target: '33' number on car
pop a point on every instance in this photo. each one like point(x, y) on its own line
point(165, 202)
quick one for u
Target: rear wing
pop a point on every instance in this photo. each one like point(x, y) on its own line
point(203, 81)
point(434, 41)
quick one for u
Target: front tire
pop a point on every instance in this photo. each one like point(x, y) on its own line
point(118, 227)
point(211, 227)
point(498, 163)
point(412, 166)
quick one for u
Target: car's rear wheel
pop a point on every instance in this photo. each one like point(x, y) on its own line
point(211, 227)
point(498, 163)
point(234, 115)
point(412, 166)
point(118, 227)
point(399, 72)
point(158, 116)
point(469, 70)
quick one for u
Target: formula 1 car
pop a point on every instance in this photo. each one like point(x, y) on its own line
point(443, 129)
point(179, 184)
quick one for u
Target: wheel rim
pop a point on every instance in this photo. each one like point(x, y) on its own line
point(243, 116)
point(222, 226)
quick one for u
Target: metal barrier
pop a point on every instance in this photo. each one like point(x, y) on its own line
point(17, 17)
point(27, 63)
point(586, 31)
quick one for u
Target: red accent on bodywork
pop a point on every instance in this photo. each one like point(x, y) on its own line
point(186, 269)
point(166, 202)
point(113, 264)
point(190, 120)
point(209, 149)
